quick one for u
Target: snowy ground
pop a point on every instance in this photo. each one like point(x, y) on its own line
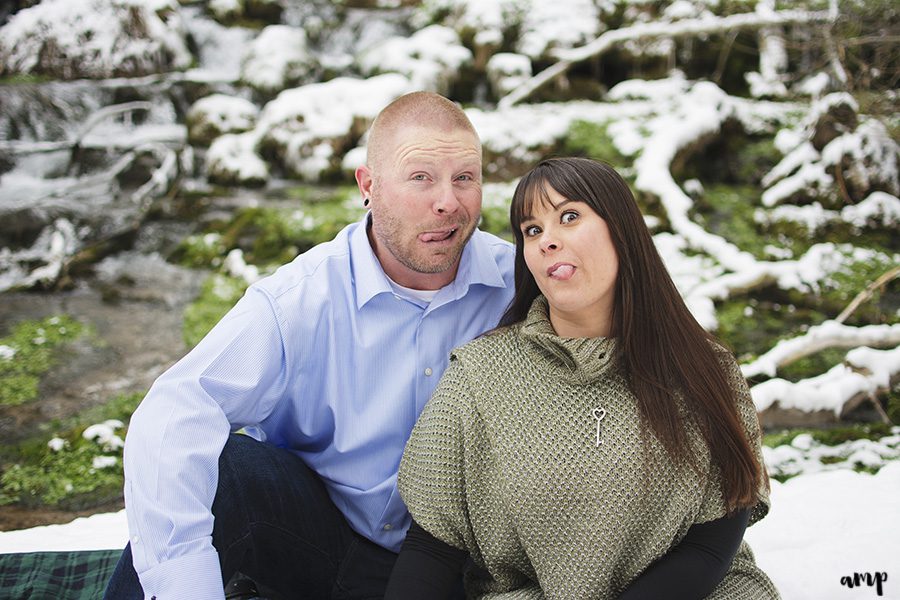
point(822, 527)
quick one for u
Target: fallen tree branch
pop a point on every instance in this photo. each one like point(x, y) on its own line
point(867, 293)
point(649, 31)
point(830, 334)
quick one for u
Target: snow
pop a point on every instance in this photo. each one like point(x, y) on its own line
point(506, 71)
point(558, 24)
point(278, 56)
point(829, 334)
point(304, 122)
point(822, 526)
point(95, 38)
point(217, 114)
point(233, 157)
point(864, 372)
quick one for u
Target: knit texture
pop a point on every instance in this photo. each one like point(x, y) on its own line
point(504, 463)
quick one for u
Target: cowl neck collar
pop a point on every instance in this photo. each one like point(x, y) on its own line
point(586, 359)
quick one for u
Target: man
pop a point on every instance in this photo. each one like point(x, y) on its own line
point(329, 361)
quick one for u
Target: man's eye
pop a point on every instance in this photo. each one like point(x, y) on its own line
point(464, 178)
point(568, 216)
point(418, 177)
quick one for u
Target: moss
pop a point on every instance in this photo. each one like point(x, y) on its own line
point(831, 436)
point(752, 326)
point(28, 352)
point(201, 251)
point(839, 288)
point(892, 405)
point(812, 365)
point(217, 295)
point(590, 139)
point(25, 79)
point(728, 211)
point(35, 475)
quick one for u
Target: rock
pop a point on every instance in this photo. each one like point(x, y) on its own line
point(832, 116)
point(306, 130)
point(232, 160)
point(219, 114)
point(864, 161)
point(229, 11)
point(71, 39)
point(431, 58)
point(278, 58)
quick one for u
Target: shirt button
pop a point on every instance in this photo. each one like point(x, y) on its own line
point(135, 539)
point(428, 371)
point(387, 527)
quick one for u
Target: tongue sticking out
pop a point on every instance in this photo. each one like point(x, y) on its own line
point(436, 236)
point(562, 272)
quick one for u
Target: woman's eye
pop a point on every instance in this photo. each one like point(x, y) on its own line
point(531, 230)
point(568, 216)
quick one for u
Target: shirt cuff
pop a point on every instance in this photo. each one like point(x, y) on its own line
point(195, 576)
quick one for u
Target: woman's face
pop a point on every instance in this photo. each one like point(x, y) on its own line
point(570, 253)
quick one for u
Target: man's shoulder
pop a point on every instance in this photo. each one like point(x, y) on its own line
point(500, 248)
point(321, 265)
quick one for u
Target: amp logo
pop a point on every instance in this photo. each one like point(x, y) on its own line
point(870, 579)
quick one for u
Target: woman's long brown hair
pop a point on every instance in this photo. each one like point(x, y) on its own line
point(663, 349)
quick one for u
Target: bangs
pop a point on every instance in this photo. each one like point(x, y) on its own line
point(531, 192)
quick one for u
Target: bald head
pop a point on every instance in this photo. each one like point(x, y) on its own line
point(417, 109)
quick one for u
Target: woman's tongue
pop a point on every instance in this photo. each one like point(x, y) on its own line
point(562, 272)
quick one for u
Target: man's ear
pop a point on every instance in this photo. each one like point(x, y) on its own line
point(364, 181)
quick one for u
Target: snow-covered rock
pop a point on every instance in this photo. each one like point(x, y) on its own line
point(219, 114)
point(228, 11)
point(71, 39)
point(232, 160)
point(431, 58)
point(278, 58)
point(306, 130)
point(506, 71)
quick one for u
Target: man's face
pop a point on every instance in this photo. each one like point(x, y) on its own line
point(426, 201)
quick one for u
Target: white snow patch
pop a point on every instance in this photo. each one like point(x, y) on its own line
point(430, 58)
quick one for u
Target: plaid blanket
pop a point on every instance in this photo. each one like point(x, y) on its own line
point(56, 575)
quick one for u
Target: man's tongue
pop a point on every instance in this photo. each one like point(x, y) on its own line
point(562, 272)
point(436, 236)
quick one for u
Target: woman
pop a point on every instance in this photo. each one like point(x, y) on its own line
point(599, 444)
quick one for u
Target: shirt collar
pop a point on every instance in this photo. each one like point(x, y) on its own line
point(476, 266)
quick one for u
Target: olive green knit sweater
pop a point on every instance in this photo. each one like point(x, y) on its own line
point(505, 463)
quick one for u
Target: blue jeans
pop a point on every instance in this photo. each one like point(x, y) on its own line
point(275, 523)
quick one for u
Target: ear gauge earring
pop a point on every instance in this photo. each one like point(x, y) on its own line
point(366, 202)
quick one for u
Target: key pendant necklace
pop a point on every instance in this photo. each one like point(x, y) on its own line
point(599, 413)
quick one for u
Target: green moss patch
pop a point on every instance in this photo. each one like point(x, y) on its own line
point(79, 467)
point(217, 295)
point(29, 352)
point(830, 437)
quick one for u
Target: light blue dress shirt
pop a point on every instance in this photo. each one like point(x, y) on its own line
point(321, 357)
